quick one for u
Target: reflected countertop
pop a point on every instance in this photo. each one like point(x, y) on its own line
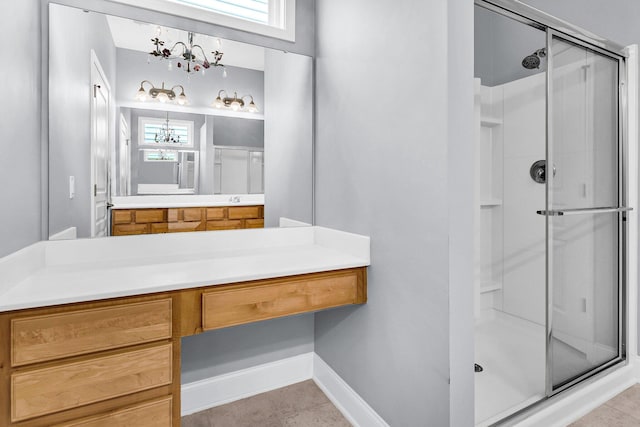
point(186, 201)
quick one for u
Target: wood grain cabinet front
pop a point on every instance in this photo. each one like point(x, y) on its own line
point(238, 304)
point(48, 390)
point(126, 222)
point(157, 413)
point(55, 336)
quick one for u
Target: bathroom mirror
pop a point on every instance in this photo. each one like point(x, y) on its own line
point(145, 116)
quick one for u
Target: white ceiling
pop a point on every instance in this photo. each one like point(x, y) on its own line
point(135, 35)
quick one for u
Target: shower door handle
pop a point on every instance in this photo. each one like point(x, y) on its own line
point(583, 211)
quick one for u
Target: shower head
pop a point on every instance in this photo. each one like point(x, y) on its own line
point(533, 61)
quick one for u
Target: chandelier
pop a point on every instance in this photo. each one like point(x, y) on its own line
point(161, 94)
point(236, 103)
point(185, 55)
point(166, 134)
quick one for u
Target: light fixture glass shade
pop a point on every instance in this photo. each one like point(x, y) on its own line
point(235, 105)
point(182, 99)
point(252, 108)
point(218, 103)
point(163, 97)
point(141, 95)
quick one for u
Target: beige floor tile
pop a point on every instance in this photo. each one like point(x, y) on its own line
point(302, 405)
point(606, 416)
point(628, 402)
point(325, 415)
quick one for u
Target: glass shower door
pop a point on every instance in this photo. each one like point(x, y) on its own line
point(584, 212)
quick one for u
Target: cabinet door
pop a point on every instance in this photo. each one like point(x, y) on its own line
point(150, 414)
point(48, 390)
point(55, 336)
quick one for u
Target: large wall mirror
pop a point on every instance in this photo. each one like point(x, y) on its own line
point(155, 129)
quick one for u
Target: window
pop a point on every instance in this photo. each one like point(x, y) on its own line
point(163, 133)
point(160, 156)
point(272, 18)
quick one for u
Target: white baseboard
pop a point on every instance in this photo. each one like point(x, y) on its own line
point(352, 406)
point(211, 392)
point(584, 400)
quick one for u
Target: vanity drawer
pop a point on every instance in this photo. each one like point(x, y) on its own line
point(254, 223)
point(185, 214)
point(150, 414)
point(70, 385)
point(55, 336)
point(227, 306)
point(177, 227)
point(224, 225)
point(130, 229)
point(122, 216)
point(216, 213)
point(150, 215)
point(245, 212)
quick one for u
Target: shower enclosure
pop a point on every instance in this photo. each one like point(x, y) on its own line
point(550, 217)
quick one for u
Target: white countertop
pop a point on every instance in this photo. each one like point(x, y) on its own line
point(186, 201)
point(62, 272)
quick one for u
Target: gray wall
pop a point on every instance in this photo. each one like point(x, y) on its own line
point(70, 111)
point(288, 136)
point(500, 46)
point(201, 90)
point(240, 347)
point(20, 116)
point(382, 170)
point(237, 132)
point(149, 173)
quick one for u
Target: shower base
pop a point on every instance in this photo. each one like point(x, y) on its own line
point(512, 352)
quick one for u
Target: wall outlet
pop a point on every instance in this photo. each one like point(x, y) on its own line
point(72, 187)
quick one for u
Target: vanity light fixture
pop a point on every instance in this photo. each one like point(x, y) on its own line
point(161, 94)
point(186, 59)
point(236, 103)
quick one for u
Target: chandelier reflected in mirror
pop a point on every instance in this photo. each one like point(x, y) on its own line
point(166, 134)
point(184, 54)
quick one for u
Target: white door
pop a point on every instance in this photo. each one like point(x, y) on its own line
point(124, 154)
point(99, 151)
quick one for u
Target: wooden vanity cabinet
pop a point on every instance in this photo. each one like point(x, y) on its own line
point(126, 222)
point(117, 362)
point(91, 364)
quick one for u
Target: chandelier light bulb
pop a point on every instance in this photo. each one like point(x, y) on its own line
point(224, 73)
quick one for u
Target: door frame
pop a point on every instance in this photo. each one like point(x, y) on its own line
point(98, 71)
point(622, 216)
point(610, 380)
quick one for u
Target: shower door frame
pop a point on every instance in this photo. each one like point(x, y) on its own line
point(622, 215)
point(552, 27)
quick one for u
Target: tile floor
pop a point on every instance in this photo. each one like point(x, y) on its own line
point(621, 411)
point(298, 405)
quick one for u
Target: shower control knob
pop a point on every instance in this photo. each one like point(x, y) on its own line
point(538, 171)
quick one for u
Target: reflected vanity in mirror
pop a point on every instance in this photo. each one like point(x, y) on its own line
point(154, 129)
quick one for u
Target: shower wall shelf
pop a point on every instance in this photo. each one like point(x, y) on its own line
point(490, 122)
point(486, 287)
point(490, 203)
